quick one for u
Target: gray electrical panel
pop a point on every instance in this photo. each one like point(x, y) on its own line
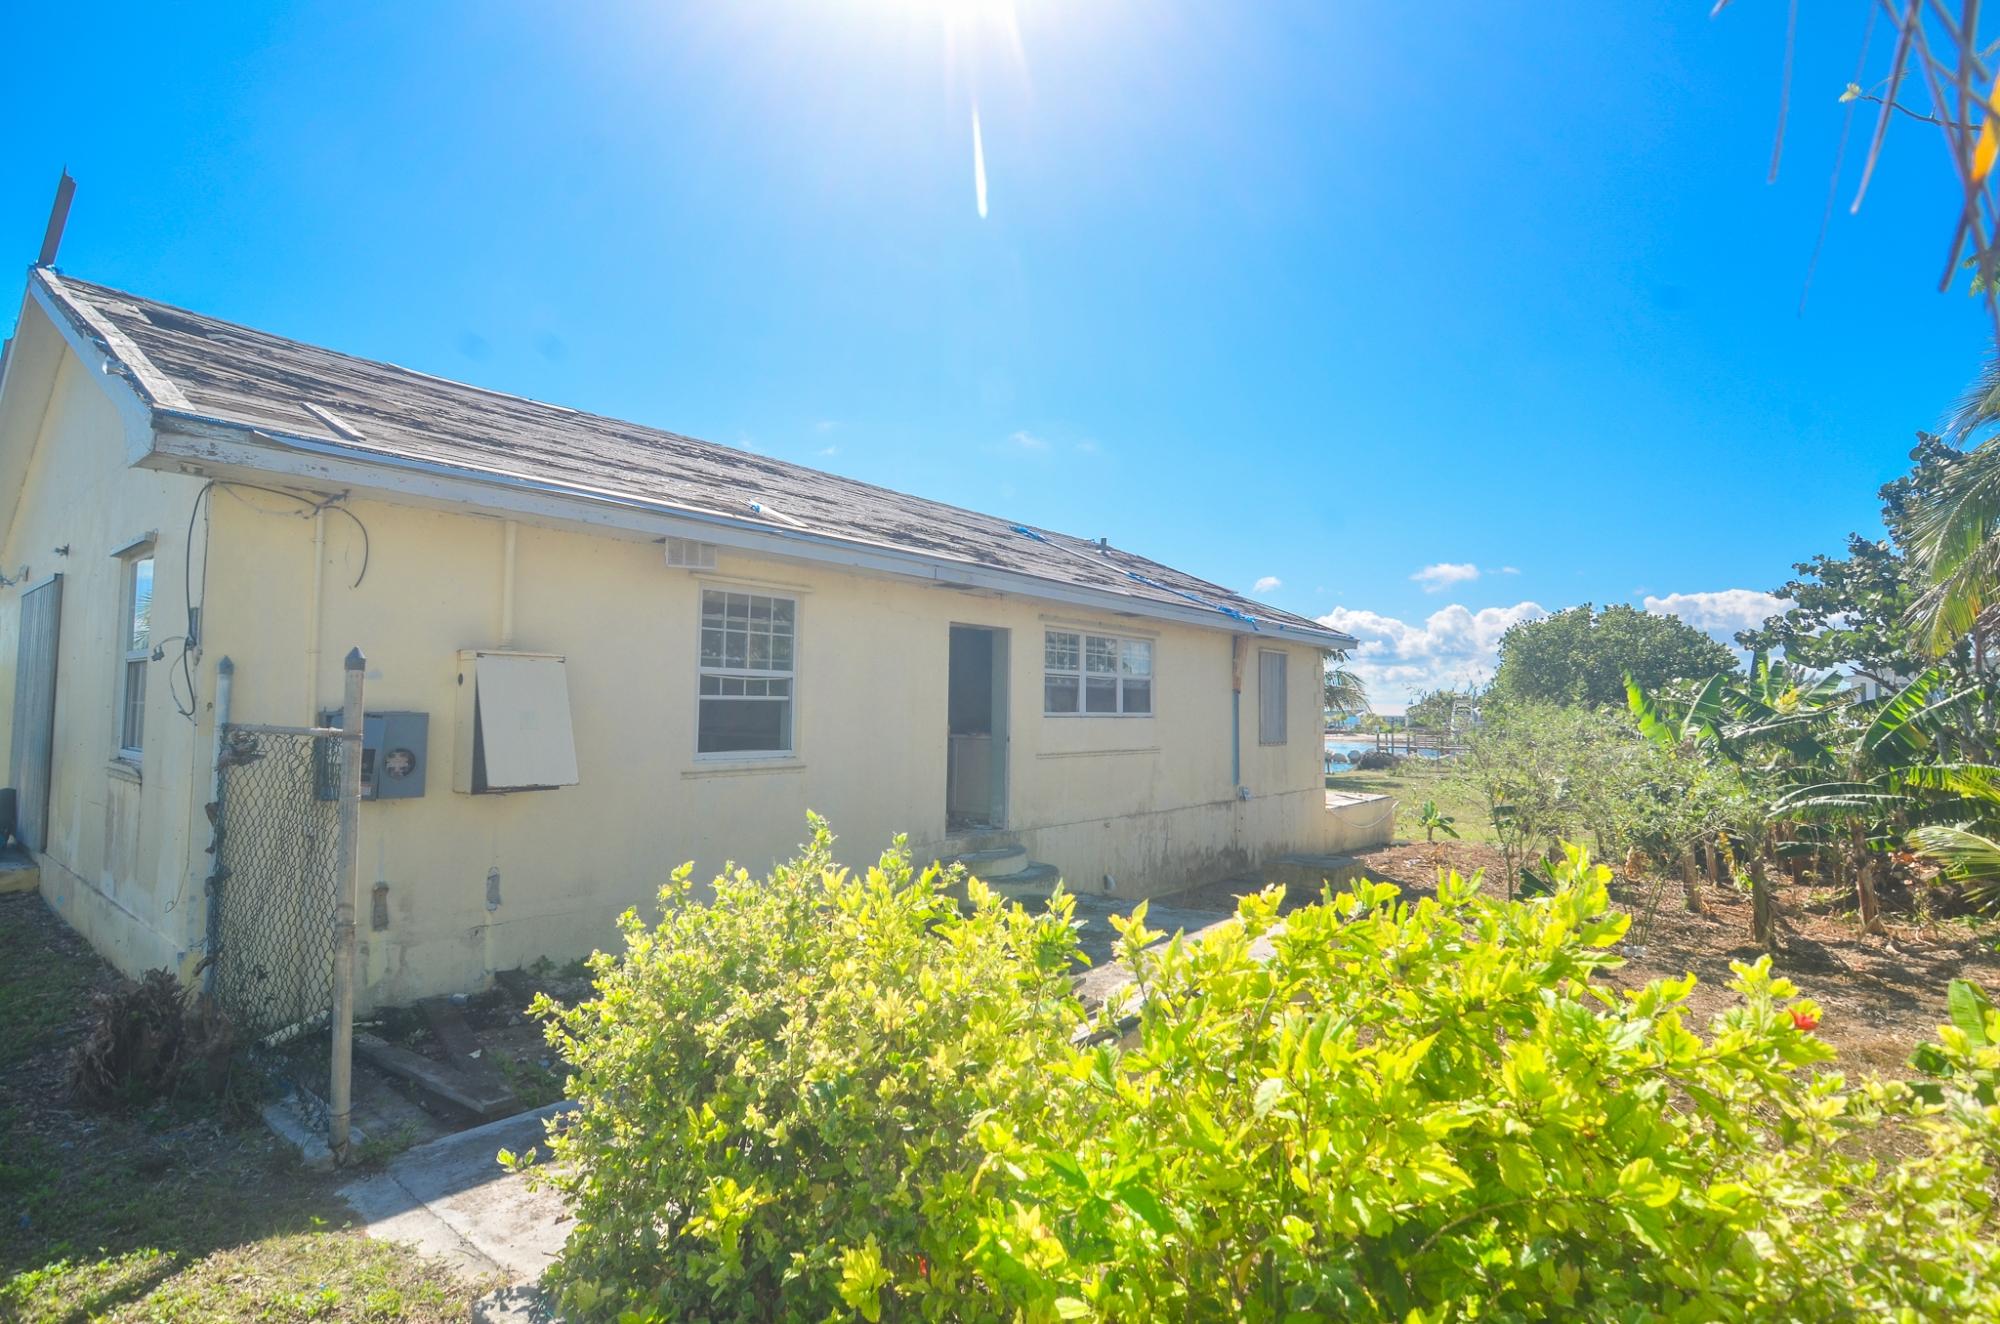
point(395, 751)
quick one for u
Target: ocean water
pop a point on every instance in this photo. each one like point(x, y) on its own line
point(1350, 749)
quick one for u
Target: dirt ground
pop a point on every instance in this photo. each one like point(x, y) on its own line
point(175, 1209)
point(1879, 996)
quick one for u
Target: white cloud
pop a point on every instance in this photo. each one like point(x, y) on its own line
point(1508, 570)
point(829, 450)
point(1267, 584)
point(1453, 648)
point(1027, 441)
point(1444, 574)
point(1721, 612)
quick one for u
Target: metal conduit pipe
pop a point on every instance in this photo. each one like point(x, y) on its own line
point(313, 607)
point(512, 531)
point(1239, 648)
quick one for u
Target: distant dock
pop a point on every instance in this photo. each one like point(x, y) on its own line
point(1416, 744)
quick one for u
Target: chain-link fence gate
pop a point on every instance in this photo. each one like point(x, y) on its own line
point(281, 898)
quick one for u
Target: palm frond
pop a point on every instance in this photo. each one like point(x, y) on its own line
point(1979, 407)
point(1968, 856)
point(1954, 540)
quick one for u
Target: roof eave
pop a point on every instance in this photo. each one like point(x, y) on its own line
point(172, 415)
point(184, 437)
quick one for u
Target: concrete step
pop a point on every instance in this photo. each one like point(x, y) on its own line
point(18, 870)
point(1304, 875)
point(992, 864)
point(1030, 884)
point(978, 839)
point(440, 1081)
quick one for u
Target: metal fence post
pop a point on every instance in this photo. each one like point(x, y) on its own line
point(340, 1106)
point(225, 681)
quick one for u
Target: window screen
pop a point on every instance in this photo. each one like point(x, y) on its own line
point(1271, 688)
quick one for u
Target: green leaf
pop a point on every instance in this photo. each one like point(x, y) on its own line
point(1268, 1095)
point(1141, 1201)
point(1969, 1007)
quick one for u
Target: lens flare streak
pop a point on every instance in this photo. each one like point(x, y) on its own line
point(978, 165)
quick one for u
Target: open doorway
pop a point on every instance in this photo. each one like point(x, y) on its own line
point(975, 789)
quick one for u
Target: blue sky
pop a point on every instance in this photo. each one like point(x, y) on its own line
point(1314, 293)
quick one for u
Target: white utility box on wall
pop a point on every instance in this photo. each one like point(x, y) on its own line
point(513, 727)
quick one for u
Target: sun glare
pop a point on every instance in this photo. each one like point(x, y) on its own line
point(977, 35)
point(978, 164)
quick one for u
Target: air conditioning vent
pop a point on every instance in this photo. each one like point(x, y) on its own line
point(690, 555)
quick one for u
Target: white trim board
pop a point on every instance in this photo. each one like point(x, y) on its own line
point(204, 445)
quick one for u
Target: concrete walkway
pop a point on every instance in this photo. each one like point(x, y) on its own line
point(451, 1198)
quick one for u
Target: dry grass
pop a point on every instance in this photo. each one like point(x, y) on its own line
point(1415, 781)
point(163, 1210)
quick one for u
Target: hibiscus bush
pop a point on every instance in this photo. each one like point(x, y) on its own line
point(1434, 1111)
point(780, 1090)
point(830, 1096)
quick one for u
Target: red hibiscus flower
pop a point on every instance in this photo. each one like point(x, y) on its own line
point(1804, 1020)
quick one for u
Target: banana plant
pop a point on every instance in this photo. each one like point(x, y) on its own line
point(1767, 725)
point(1433, 821)
point(1922, 773)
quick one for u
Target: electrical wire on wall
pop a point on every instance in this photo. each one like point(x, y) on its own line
point(202, 510)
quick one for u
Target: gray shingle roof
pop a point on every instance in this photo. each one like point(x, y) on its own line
point(197, 366)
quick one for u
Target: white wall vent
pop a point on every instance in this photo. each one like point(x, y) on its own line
point(690, 555)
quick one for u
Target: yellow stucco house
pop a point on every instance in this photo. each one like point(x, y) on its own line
point(599, 650)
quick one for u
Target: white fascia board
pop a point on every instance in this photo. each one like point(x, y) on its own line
point(122, 380)
point(183, 440)
point(158, 389)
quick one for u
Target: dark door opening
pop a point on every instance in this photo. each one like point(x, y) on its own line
point(975, 791)
point(32, 759)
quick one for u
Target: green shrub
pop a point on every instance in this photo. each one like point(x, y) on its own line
point(828, 1097)
point(780, 1091)
point(1430, 1112)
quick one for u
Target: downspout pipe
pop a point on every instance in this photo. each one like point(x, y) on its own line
point(509, 536)
point(1236, 737)
point(313, 610)
point(1239, 646)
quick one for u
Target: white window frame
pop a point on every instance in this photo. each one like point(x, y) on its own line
point(705, 670)
point(129, 561)
point(1082, 672)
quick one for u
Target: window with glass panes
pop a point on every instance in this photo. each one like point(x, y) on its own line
point(748, 643)
point(137, 646)
point(1085, 675)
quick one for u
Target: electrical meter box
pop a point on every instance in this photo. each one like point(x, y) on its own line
point(394, 756)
